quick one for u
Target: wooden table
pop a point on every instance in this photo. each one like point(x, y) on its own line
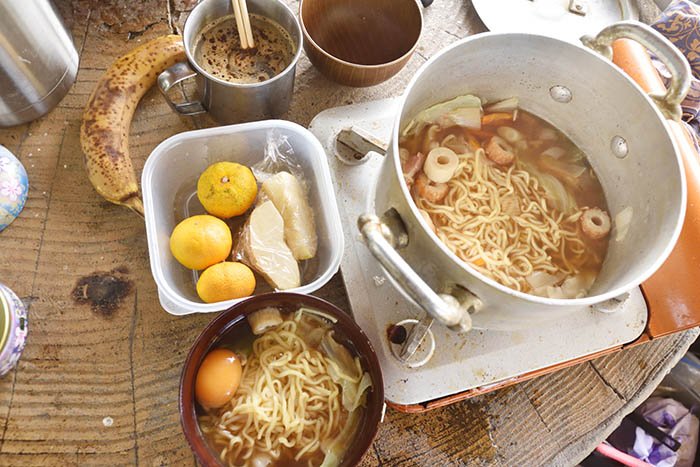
point(98, 380)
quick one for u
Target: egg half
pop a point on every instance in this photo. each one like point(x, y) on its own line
point(218, 378)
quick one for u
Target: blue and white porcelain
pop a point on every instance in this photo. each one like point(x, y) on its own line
point(13, 329)
point(14, 187)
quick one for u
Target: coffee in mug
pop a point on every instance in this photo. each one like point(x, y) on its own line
point(235, 85)
point(219, 53)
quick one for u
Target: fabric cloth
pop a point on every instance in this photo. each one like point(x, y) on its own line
point(680, 23)
point(673, 418)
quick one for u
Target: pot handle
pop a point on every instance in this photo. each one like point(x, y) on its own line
point(382, 239)
point(176, 74)
point(670, 103)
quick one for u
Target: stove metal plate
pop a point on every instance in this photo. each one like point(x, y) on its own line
point(461, 361)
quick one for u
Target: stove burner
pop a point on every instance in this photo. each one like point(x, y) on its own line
point(396, 334)
point(422, 354)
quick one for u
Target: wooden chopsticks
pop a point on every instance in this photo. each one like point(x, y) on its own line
point(240, 10)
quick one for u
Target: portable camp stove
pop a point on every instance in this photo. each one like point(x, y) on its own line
point(447, 366)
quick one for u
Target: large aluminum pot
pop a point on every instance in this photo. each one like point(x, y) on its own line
point(578, 90)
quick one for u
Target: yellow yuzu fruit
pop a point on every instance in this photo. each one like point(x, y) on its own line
point(225, 281)
point(227, 189)
point(200, 241)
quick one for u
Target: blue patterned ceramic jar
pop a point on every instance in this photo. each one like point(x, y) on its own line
point(14, 187)
point(13, 329)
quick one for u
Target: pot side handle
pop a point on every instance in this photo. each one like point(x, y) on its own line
point(669, 103)
point(445, 308)
point(674, 285)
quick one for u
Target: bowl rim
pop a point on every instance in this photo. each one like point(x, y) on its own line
point(237, 313)
point(309, 40)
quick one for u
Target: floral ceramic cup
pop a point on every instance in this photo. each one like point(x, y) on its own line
point(13, 329)
point(14, 187)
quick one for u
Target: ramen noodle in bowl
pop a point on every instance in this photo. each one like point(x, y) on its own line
point(509, 194)
point(282, 390)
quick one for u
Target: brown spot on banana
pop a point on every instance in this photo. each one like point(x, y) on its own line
point(104, 133)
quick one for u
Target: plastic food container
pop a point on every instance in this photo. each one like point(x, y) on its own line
point(169, 184)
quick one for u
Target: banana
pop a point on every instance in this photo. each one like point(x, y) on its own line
point(104, 133)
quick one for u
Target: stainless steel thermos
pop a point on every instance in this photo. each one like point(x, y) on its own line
point(38, 61)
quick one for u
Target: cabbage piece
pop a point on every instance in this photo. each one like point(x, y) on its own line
point(566, 172)
point(340, 355)
point(555, 292)
point(573, 287)
point(623, 219)
point(346, 372)
point(506, 105)
point(462, 111)
point(335, 450)
point(312, 328)
point(540, 279)
point(577, 286)
point(555, 152)
point(559, 196)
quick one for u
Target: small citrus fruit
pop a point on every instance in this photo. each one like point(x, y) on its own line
point(225, 281)
point(200, 241)
point(227, 189)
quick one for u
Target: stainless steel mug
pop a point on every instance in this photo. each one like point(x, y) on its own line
point(38, 61)
point(225, 101)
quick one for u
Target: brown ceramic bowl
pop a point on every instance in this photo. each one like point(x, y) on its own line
point(360, 42)
point(235, 316)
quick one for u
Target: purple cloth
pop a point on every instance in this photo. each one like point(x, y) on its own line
point(680, 23)
point(674, 419)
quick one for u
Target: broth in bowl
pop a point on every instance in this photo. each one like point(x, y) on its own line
point(509, 194)
point(284, 386)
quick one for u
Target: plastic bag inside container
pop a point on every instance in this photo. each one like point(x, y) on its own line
point(279, 156)
point(281, 230)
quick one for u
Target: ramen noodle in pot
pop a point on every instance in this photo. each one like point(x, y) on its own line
point(508, 194)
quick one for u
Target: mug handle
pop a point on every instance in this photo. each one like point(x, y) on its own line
point(382, 238)
point(176, 74)
point(670, 103)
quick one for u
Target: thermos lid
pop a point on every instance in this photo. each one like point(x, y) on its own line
point(562, 19)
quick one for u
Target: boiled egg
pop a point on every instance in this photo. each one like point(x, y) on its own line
point(218, 378)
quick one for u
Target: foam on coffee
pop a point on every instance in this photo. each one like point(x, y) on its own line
point(219, 51)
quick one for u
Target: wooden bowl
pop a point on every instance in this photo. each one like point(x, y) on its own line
point(360, 42)
point(358, 344)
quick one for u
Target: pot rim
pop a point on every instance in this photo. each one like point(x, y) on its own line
point(569, 302)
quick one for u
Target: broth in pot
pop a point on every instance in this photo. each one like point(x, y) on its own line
point(509, 194)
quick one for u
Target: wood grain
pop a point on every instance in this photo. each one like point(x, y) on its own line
point(84, 363)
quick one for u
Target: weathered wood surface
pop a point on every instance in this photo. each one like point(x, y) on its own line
point(120, 356)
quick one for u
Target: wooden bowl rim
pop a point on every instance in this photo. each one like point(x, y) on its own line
point(308, 38)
